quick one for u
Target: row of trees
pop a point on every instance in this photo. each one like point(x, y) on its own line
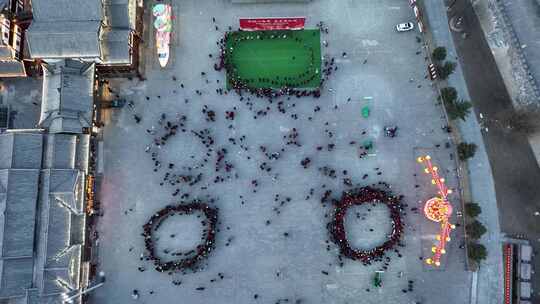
point(442, 67)
point(457, 108)
point(520, 121)
point(474, 230)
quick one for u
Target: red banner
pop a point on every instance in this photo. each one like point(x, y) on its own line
point(264, 24)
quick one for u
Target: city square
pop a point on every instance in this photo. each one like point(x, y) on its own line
point(274, 167)
point(269, 151)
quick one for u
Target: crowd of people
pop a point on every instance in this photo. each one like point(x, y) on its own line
point(215, 163)
point(275, 87)
point(366, 195)
point(192, 258)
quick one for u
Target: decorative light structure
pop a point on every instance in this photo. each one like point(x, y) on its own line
point(438, 209)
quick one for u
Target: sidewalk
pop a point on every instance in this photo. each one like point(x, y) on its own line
point(482, 191)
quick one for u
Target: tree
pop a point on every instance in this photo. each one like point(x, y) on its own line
point(439, 53)
point(475, 230)
point(472, 209)
point(458, 109)
point(448, 94)
point(477, 252)
point(446, 69)
point(466, 150)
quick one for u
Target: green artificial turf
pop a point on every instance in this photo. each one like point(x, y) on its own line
point(293, 61)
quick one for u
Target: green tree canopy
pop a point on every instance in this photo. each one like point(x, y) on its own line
point(475, 230)
point(472, 209)
point(445, 69)
point(439, 53)
point(448, 94)
point(458, 109)
point(466, 150)
point(477, 252)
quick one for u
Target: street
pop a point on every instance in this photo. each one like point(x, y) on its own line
point(515, 169)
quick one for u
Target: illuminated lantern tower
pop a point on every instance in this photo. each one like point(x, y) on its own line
point(437, 209)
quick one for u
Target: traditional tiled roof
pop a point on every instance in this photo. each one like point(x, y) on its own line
point(115, 48)
point(64, 39)
point(67, 101)
point(61, 232)
point(42, 218)
point(66, 10)
point(18, 197)
point(20, 150)
point(65, 29)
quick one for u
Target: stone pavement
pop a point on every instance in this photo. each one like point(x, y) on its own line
point(392, 78)
point(490, 284)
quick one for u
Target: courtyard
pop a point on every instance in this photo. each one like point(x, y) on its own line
point(272, 244)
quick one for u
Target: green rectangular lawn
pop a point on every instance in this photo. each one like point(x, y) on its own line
point(291, 58)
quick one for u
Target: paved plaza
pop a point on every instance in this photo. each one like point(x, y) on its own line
point(270, 250)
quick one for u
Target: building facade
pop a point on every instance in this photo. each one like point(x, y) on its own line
point(103, 32)
point(15, 17)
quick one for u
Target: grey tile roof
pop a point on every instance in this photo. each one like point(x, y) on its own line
point(60, 151)
point(20, 162)
point(66, 10)
point(16, 276)
point(18, 203)
point(18, 206)
point(117, 15)
point(20, 150)
point(62, 222)
point(83, 152)
point(64, 39)
point(41, 236)
point(66, 186)
point(11, 68)
point(67, 102)
point(116, 49)
point(62, 269)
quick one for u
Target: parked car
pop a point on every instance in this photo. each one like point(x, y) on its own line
point(404, 27)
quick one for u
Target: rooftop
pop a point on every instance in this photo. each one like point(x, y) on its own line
point(41, 235)
point(67, 97)
point(64, 39)
point(66, 10)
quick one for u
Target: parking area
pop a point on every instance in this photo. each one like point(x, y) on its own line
point(267, 251)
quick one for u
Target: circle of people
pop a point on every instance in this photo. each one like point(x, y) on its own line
point(191, 258)
point(366, 195)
